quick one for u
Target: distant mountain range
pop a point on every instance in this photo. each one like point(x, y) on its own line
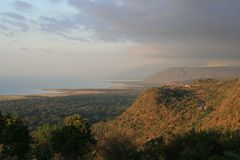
point(142, 72)
point(182, 74)
point(138, 73)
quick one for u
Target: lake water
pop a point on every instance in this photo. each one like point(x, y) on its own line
point(25, 86)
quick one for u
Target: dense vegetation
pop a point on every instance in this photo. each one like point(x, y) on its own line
point(74, 141)
point(14, 137)
point(198, 121)
point(37, 111)
point(178, 109)
point(204, 145)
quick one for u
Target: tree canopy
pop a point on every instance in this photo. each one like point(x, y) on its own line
point(73, 140)
point(14, 137)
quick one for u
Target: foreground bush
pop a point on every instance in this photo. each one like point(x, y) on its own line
point(207, 145)
point(14, 138)
point(74, 139)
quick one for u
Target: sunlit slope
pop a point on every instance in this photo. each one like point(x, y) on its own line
point(227, 115)
point(171, 110)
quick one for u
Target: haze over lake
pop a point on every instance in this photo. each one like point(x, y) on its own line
point(24, 86)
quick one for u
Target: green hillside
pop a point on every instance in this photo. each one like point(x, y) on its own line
point(197, 121)
point(173, 110)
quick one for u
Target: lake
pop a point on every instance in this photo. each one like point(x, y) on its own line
point(26, 85)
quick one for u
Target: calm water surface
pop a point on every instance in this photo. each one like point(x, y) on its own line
point(25, 86)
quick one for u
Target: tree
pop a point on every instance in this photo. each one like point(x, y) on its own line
point(73, 140)
point(195, 146)
point(42, 152)
point(118, 147)
point(42, 149)
point(154, 150)
point(15, 138)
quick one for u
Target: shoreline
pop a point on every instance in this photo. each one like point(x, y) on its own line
point(66, 92)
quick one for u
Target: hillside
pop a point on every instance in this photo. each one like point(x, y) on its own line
point(144, 71)
point(228, 113)
point(183, 74)
point(175, 122)
point(173, 110)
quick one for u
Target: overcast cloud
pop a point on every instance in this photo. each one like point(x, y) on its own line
point(155, 29)
point(22, 6)
point(180, 28)
point(206, 29)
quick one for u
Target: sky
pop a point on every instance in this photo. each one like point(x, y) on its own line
point(100, 37)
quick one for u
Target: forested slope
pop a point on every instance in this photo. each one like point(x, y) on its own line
point(174, 110)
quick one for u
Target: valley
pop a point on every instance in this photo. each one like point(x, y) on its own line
point(93, 104)
point(151, 119)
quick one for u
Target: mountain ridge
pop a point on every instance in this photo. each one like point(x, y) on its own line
point(182, 74)
point(173, 110)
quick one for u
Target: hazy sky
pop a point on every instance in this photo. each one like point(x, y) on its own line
point(96, 37)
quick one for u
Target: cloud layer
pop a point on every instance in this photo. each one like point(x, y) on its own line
point(162, 20)
point(22, 6)
point(161, 29)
